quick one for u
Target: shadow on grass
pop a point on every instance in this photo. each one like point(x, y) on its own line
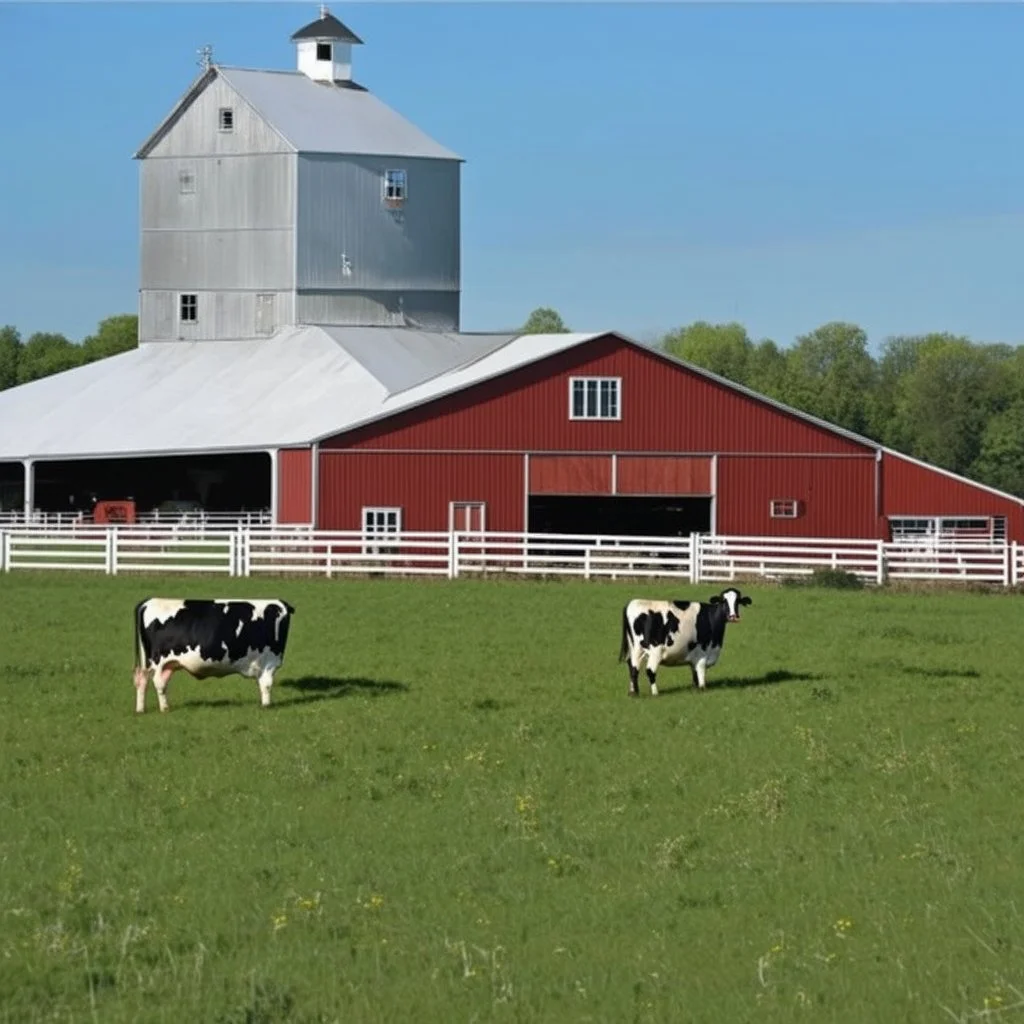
point(941, 673)
point(772, 678)
point(309, 689)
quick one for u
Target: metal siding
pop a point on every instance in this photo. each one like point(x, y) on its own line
point(665, 409)
point(421, 485)
point(254, 261)
point(222, 316)
point(434, 310)
point(570, 474)
point(837, 495)
point(295, 484)
point(678, 475)
point(196, 132)
point(340, 210)
point(912, 490)
point(254, 192)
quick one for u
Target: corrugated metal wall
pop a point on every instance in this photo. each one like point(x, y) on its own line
point(836, 495)
point(295, 484)
point(196, 133)
point(341, 210)
point(435, 310)
point(644, 474)
point(421, 485)
point(222, 315)
point(570, 474)
point(912, 490)
point(665, 408)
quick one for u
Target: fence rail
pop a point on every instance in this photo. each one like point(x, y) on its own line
point(252, 550)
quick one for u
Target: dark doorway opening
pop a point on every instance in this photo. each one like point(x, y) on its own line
point(212, 483)
point(12, 486)
point(617, 516)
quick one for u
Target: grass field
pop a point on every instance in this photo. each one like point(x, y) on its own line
point(454, 813)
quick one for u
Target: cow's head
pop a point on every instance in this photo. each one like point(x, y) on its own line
point(732, 599)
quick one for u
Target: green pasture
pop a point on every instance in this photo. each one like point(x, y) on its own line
point(454, 813)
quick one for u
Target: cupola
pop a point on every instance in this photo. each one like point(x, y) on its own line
point(324, 48)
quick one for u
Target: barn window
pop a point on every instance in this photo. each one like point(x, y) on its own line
point(396, 187)
point(226, 119)
point(380, 522)
point(323, 51)
point(595, 398)
point(189, 308)
point(186, 182)
point(785, 508)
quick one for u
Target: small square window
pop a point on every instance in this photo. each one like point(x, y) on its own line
point(226, 119)
point(785, 508)
point(189, 308)
point(186, 182)
point(396, 188)
point(323, 51)
point(595, 398)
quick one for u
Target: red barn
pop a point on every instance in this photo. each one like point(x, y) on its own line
point(606, 435)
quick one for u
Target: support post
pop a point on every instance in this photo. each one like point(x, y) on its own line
point(30, 487)
point(314, 486)
point(272, 452)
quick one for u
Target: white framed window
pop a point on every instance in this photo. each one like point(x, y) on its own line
point(188, 308)
point(396, 187)
point(467, 516)
point(226, 119)
point(926, 529)
point(380, 522)
point(785, 508)
point(186, 181)
point(595, 398)
point(323, 51)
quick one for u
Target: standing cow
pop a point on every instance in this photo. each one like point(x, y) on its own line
point(674, 633)
point(229, 636)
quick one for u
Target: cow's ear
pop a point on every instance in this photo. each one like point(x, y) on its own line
point(746, 600)
point(716, 599)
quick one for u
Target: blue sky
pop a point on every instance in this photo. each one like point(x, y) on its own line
point(635, 166)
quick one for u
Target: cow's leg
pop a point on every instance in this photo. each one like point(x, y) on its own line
point(635, 657)
point(160, 677)
point(653, 661)
point(699, 671)
point(140, 679)
point(693, 673)
point(266, 681)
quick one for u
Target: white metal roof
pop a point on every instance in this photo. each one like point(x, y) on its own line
point(315, 117)
point(302, 384)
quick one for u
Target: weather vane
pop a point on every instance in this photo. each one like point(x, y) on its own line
point(205, 57)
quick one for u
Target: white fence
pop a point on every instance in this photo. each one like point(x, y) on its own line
point(280, 550)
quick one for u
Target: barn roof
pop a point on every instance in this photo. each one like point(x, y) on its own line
point(314, 117)
point(297, 386)
point(326, 26)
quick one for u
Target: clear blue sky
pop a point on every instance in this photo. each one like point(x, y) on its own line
point(636, 166)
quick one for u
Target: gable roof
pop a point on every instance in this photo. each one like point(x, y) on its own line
point(313, 117)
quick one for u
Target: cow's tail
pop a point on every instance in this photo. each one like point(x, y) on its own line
point(140, 654)
point(624, 647)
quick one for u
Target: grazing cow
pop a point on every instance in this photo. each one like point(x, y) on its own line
point(205, 638)
point(675, 633)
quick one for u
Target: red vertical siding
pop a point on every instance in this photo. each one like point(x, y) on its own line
point(642, 474)
point(421, 485)
point(570, 474)
point(294, 485)
point(666, 408)
point(913, 490)
point(837, 496)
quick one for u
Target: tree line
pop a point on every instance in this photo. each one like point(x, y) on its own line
point(939, 397)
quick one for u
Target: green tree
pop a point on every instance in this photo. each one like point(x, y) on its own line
point(1000, 461)
point(766, 370)
point(831, 374)
point(45, 354)
point(724, 349)
point(10, 351)
point(544, 320)
point(946, 399)
point(114, 335)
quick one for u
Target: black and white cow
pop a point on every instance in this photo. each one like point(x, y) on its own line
point(229, 636)
point(674, 633)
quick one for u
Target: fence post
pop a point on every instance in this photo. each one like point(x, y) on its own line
point(695, 543)
point(3, 551)
point(1013, 564)
point(1007, 568)
point(232, 547)
point(586, 564)
point(880, 563)
point(452, 570)
point(112, 551)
